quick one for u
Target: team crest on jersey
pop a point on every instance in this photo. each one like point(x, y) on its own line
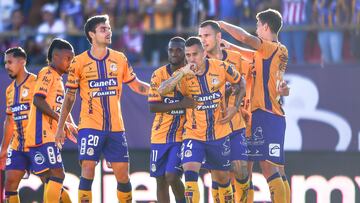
point(113, 67)
point(215, 81)
point(153, 167)
point(25, 93)
point(39, 158)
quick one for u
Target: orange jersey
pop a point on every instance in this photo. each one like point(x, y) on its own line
point(100, 84)
point(208, 91)
point(41, 128)
point(234, 58)
point(270, 65)
point(18, 102)
point(167, 127)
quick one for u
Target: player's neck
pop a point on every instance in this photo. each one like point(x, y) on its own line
point(56, 69)
point(21, 76)
point(98, 52)
point(216, 53)
point(271, 37)
point(176, 67)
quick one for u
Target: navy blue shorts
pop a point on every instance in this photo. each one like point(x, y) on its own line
point(18, 160)
point(165, 158)
point(267, 139)
point(214, 154)
point(92, 143)
point(238, 145)
point(45, 157)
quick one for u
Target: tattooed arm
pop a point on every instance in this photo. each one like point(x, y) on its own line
point(170, 84)
point(239, 95)
point(139, 87)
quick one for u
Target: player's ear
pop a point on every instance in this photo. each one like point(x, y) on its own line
point(91, 34)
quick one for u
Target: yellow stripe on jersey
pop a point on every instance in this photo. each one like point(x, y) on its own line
point(18, 102)
point(167, 127)
point(270, 65)
point(100, 84)
point(209, 91)
point(41, 128)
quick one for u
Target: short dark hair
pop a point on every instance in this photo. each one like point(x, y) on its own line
point(17, 52)
point(213, 24)
point(177, 39)
point(194, 41)
point(271, 17)
point(58, 44)
point(91, 24)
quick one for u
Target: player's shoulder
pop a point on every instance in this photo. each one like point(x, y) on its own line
point(84, 56)
point(283, 48)
point(232, 53)
point(216, 63)
point(10, 87)
point(118, 55)
point(161, 70)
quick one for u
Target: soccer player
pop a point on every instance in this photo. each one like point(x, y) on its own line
point(268, 120)
point(210, 34)
point(40, 131)
point(99, 74)
point(166, 134)
point(207, 128)
point(19, 95)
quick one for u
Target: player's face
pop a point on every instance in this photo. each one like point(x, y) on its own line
point(103, 34)
point(194, 54)
point(176, 53)
point(62, 59)
point(13, 65)
point(260, 29)
point(209, 38)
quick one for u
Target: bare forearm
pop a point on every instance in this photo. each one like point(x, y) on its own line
point(240, 95)
point(240, 34)
point(247, 54)
point(139, 87)
point(66, 109)
point(7, 132)
point(161, 107)
point(170, 84)
point(44, 107)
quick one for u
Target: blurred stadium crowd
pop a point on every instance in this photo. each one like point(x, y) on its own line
point(315, 31)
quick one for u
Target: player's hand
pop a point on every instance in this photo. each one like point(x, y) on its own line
point(230, 113)
point(188, 102)
point(284, 89)
point(71, 132)
point(245, 114)
point(3, 156)
point(60, 138)
point(225, 44)
point(189, 69)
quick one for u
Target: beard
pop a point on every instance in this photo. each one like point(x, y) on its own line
point(12, 76)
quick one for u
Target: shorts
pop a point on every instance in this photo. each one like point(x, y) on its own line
point(45, 157)
point(216, 153)
point(18, 160)
point(238, 145)
point(92, 143)
point(165, 158)
point(267, 139)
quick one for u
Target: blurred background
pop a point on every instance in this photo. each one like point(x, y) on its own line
point(323, 124)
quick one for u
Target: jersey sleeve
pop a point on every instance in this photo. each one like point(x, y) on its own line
point(44, 83)
point(231, 74)
point(155, 82)
point(128, 74)
point(74, 75)
point(8, 107)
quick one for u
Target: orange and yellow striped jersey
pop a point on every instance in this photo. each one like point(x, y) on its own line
point(41, 128)
point(18, 102)
point(270, 65)
point(208, 90)
point(234, 58)
point(167, 127)
point(100, 84)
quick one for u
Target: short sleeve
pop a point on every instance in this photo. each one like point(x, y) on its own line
point(74, 75)
point(43, 84)
point(267, 48)
point(8, 105)
point(231, 74)
point(155, 82)
point(128, 73)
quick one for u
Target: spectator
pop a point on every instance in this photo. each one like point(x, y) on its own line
point(331, 14)
point(51, 24)
point(295, 17)
point(355, 34)
point(132, 37)
point(180, 15)
point(18, 28)
point(5, 13)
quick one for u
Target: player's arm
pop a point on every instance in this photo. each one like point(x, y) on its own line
point(159, 107)
point(8, 131)
point(170, 84)
point(240, 34)
point(41, 104)
point(66, 108)
point(139, 86)
point(246, 54)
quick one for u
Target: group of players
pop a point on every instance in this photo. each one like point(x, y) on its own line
point(217, 107)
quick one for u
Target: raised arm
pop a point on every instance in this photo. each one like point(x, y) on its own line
point(170, 84)
point(246, 54)
point(139, 87)
point(240, 34)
